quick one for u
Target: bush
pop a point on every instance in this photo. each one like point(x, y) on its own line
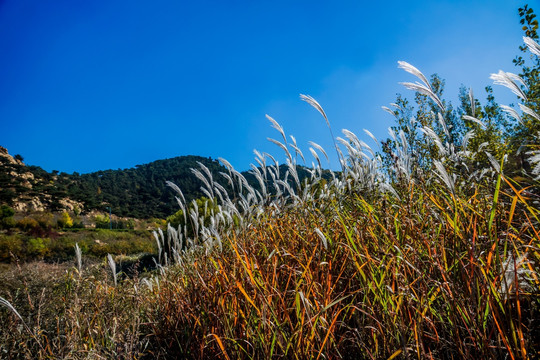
point(38, 247)
point(102, 222)
point(10, 246)
point(6, 217)
point(77, 224)
point(46, 220)
point(6, 211)
point(65, 221)
point(28, 224)
point(7, 223)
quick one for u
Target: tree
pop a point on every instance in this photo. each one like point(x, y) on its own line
point(486, 128)
point(205, 207)
point(6, 217)
point(490, 125)
point(530, 67)
point(102, 221)
point(414, 123)
point(76, 210)
point(526, 132)
point(65, 221)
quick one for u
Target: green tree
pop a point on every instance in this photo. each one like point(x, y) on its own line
point(38, 247)
point(490, 125)
point(6, 217)
point(102, 221)
point(413, 120)
point(526, 132)
point(76, 210)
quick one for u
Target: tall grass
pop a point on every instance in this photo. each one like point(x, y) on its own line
point(375, 263)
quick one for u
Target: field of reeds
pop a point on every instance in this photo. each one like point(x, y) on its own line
point(386, 260)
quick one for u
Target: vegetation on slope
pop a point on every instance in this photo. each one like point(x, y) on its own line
point(139, 192)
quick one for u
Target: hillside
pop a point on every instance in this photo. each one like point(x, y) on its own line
point(139, 192)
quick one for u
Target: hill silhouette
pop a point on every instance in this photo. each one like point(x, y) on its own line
point(139, 192)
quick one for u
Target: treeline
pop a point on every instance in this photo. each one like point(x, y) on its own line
point(139, 192)
point(430, 131)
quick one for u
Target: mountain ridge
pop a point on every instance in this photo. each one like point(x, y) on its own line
point(139, 192)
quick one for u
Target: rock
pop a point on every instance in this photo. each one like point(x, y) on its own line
point(8, 158)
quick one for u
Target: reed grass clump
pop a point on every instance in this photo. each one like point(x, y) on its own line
point(433, 258)
point(391, 280)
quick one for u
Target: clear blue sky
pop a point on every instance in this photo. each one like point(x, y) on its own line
point(95, 85)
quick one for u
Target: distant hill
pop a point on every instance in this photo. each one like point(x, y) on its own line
point(139, 192)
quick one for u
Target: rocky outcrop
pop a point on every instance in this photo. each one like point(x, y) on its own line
point(17, 168)
point(4, 155)
point(71, 205)
point(28, 205)
point(29, 192)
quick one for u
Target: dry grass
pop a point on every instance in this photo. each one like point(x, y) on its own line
point(401, 281)
point(408, 281)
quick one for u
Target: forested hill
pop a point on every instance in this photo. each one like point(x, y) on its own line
point(142, 192)
point(139, 192)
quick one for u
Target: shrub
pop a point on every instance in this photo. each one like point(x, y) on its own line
point(38, 247)
point(10, 246)
point(6, 211)
point(65, 221)
point(7, 223)
point(46, 220)
point(102, 221)
point(28, 224)
point(6, 217)
point(78, 224)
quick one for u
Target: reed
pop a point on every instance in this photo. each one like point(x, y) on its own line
point(378, 261)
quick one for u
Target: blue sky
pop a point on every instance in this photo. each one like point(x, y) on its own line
point(95, 85)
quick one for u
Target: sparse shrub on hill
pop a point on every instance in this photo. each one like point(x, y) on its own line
point(60, 248)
